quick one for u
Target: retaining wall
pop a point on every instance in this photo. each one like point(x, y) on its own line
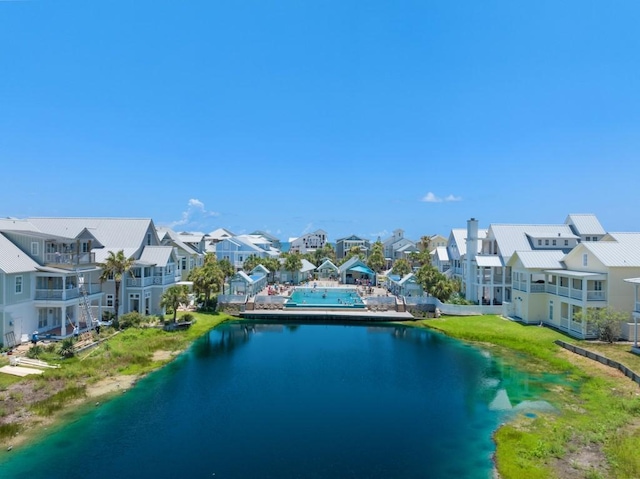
point(601, 359)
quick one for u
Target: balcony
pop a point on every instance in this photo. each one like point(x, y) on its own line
point(597, 296)
point(69, 258)
point(520, 285)
point(563, 291)
point(139, 282)
point(576, 294)
point(66, 294)
point(538, 287)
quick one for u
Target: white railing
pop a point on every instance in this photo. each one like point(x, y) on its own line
point(596, 296)
point(563, 291)
point(551, 288)
point(537, 287)
point(140, 282)
point(70, 258)
point(576, 294)
point(65, 294)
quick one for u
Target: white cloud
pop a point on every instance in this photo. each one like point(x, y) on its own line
point(380, 234)
point(193, 215)
point(432, 198)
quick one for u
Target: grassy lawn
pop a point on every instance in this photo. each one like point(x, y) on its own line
point(596, 434)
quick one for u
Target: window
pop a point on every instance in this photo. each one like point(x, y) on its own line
point(18, 284)
point(148, 238)
point(184, 263)
point(585, 259)
point(34, 249)
point(597, 285)
point(566, 242)
point(587, 238)
point(42, 318)
point(553, 242)
point(109, 301)
point(539, 242)
point(546, 242)
point(551, 310)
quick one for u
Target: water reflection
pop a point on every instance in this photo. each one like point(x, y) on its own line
point(278, 401)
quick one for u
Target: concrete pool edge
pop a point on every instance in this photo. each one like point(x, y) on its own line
point(327, 314)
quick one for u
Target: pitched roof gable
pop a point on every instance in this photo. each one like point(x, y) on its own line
point(13, 259)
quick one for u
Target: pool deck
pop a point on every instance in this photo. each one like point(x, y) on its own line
point(326, 313)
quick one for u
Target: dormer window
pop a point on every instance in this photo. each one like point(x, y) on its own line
point(546, 242)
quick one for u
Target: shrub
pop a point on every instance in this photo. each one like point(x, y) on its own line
point(34, 352)
point(66, 348)
point(187, 317)
point(130, 320)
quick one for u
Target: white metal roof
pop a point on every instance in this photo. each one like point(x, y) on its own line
point(585, 224)
point(157, 255)
point(633, 280)
point(539, 259)
point(460, 237)
point(577, 274)
point(112, 233)
point(307, 266)
point(13, 259)
point(441, 253)
point(492, 260)
point(511, 238)
point(623, 252)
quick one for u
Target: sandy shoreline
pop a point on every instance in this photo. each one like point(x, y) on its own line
point(34, 427)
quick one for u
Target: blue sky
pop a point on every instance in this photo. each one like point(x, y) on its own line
point(290, 116)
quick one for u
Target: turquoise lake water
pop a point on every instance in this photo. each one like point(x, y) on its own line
point(297, 401)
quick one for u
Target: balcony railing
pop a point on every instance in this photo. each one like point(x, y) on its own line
point(139, 282)
point(537, 288)
point(66, 294)
point(70, 258)
point(576, 293)
point(563, 291)
point(596, 296)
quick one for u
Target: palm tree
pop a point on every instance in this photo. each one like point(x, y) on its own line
point(251, 262)
point(292, 263)
point(401, 267)
point(115, 267)
point(173, 297)
point(227, 270)
point(273, 265)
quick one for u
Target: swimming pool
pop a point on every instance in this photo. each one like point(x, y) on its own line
point(325, 298)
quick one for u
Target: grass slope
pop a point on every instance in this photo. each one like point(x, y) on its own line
point(597, 433)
